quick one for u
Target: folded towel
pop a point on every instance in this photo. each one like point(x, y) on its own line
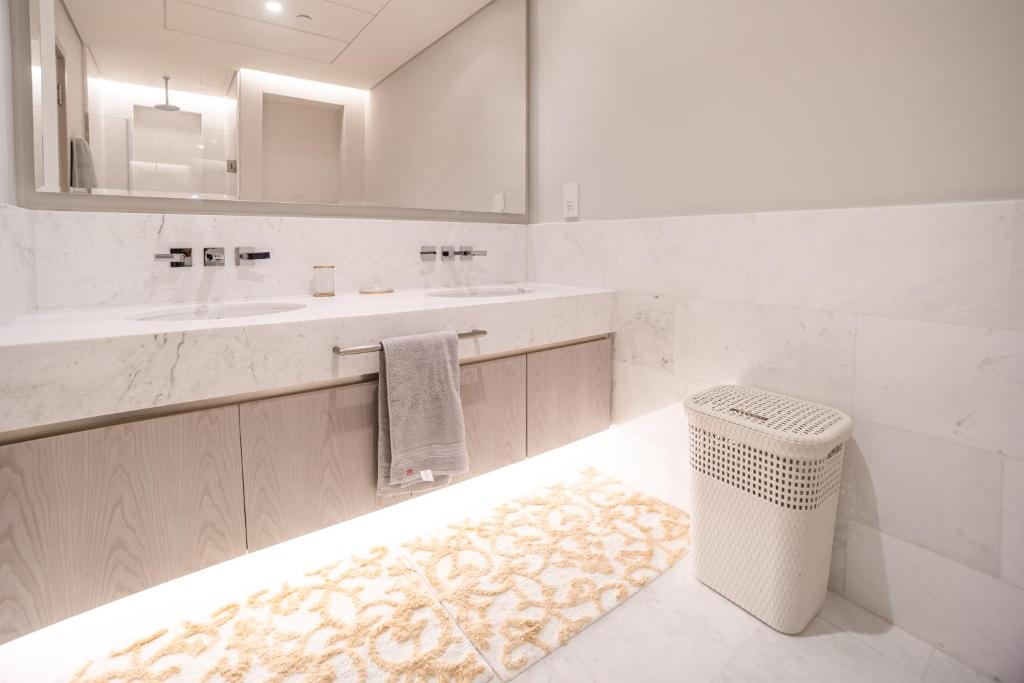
point(421, 439)
point(83, 173)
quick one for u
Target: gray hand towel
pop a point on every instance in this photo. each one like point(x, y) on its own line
point(421, 439)
point(83, 173)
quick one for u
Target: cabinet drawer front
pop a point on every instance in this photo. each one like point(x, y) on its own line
point(93, 516)
point(309, 461)
point(569, 393)
point(494, 408)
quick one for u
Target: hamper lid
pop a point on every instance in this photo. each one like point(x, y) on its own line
point(784, 417)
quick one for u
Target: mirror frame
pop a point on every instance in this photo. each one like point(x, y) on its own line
point(30, 197)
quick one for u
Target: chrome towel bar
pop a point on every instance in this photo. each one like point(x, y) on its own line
point(371, 348)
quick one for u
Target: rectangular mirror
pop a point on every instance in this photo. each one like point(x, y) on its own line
point(405, 104)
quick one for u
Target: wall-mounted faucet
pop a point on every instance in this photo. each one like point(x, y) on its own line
point(464, 252)
point(212, 256)
point(244, 256)
point(177, 258)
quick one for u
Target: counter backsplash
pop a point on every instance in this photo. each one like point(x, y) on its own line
point(79, 259)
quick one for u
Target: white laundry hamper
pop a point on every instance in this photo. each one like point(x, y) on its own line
point(765, 485)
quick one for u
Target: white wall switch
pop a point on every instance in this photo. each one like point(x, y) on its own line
point(498, 202)
point(571, 200)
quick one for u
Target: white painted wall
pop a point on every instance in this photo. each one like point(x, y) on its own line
point(448, 129)
point(674, 107)
point(253, 85)
point(8, 191)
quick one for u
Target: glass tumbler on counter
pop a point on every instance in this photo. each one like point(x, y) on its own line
point(323, 280)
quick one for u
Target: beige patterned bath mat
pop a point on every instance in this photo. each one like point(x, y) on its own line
point(368, 619)
point(519, 584)
point(528, 578)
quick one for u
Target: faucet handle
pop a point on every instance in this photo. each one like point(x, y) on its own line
point(177, 258)
point(213, 256)
point(467, 253)
point(246, 255)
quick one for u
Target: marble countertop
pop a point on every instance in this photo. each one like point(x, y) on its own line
point(64, 365)
point(118, 321)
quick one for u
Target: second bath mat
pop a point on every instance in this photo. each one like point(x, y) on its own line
point(541, 568)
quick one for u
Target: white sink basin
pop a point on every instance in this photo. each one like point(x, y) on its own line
point(218, 311)
point(476, 292)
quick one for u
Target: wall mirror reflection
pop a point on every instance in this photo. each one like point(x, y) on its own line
point(386, 103)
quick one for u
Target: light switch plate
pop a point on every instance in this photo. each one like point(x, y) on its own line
point(571, 200)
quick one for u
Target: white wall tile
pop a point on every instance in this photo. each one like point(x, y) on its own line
point(950, 508)
point(1013, 522)
point(17, 262)
point(964, 384)
point(948, 262)
point(972, 616)
point(638, 390)
point(648, 404)
point(699, 256)
point(577, 254)
point(644, 329)
point(809, 354)
point(94, 259)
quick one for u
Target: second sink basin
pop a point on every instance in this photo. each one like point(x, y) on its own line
point(218, 311)
point(474, 292)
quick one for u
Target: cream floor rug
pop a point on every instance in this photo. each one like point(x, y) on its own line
point(538, 570)
point(519, 583)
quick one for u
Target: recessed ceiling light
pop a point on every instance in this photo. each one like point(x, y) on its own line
point(274, 6)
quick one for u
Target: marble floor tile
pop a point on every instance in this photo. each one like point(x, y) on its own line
point(944, 669)
point(872, 630)
point(823, 652)
point(674, 629)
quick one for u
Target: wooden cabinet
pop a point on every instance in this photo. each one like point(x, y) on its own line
point(88, 517)
point(309, 461)
point(96, 515)
point(569, 393)
point(494, 409)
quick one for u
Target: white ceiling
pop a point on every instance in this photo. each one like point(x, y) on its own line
point(201, 43)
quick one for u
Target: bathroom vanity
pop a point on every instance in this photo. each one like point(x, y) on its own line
point(216, 436)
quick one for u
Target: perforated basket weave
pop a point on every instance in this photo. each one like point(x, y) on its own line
point(765, 483)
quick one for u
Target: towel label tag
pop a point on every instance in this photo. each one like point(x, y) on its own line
point(426, 475)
